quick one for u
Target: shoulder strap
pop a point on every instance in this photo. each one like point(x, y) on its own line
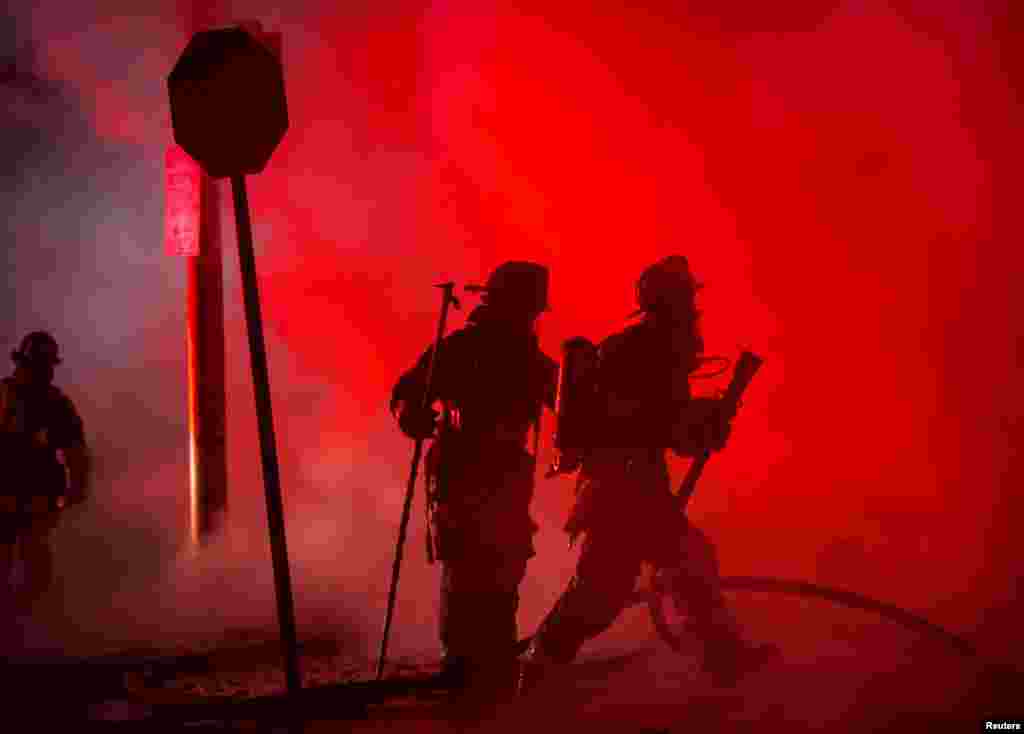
point(7, 406)
point(536, 432)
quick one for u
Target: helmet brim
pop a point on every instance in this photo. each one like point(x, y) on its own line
point(506, 298)
point(20, 358)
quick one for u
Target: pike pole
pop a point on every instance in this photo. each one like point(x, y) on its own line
point(448, 299)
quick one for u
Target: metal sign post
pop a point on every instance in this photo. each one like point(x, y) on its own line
point(229, 113)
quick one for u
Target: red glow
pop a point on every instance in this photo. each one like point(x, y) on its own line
point(181, 219)
point(192, 386)
point(836, 184)
point(811, 185)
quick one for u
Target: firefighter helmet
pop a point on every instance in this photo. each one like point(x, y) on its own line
point(667, 284)
point(517, 284)
point(37, 347)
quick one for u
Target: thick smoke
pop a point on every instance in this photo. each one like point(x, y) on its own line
point(836, 176)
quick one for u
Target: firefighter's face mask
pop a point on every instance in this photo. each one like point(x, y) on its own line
point(39, 371)
point(513, 313)
point(667, 286)
point(37, 356)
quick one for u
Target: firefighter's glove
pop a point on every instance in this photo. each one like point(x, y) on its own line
point(418, 423)
point(713, 423)
point(40, 505)
point(706, 427)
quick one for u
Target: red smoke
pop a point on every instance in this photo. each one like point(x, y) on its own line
point(817, 187)
point(831, 181)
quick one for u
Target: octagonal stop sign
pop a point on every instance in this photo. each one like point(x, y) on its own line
point(227, 102)
point(228, 112)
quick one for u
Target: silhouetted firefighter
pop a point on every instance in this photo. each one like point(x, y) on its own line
point(639, 405)
point(492, 380)
point(36, 421)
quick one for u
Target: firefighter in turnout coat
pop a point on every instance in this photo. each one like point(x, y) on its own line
point(492, 381)
point(624, 504)
point(45, 458)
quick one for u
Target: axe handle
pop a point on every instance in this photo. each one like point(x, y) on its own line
point(739, 383)
point(689, 483)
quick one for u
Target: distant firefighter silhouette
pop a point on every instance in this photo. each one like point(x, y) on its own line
point(492, 381)
point(638, 405)
point(39, 426)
